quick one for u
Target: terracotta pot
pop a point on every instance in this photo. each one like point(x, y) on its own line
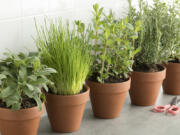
point(145, 87)
point(171, 84)
point(20, 122)
point(107, 99)
point(65, 112)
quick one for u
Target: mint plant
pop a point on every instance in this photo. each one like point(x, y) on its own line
point(67, 51)
point(113, 46)
point(22, 76)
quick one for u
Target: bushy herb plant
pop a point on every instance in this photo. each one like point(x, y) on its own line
point(156, 37)
point(113, 46)
point(171, 30)
point(22, 76)
point(67, 51)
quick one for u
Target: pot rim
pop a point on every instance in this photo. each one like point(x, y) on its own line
point(76, 95)
point(21, 110)
point(110, 83)
point(173, 63)
point(110, 88)
point(68, 100)
point(22, 114)
point(151, 73)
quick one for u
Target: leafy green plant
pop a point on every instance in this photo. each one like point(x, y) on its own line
point(113, 46)
point(156, 35)
point(171, 30)
point(21, 77)
point(67, 51)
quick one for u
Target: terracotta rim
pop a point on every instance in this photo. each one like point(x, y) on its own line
point(67, 99)
point(164, 68)
point(20, 115)
point(174, 63)
point(108, 84)
point(121, 85)
point(157, 76)
point(173, 67)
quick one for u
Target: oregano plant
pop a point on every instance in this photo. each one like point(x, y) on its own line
point(22, 76)
point(113, 46)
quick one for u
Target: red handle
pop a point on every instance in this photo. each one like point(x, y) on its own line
point(161, 108)
point(174, 110)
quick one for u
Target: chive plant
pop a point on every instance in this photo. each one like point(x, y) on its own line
point(66, 51)
point(155, 37)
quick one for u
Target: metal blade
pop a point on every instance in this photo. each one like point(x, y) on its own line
point(174, 101)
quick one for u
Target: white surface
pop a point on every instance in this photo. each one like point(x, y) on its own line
point(16, 17)
point(133, 120)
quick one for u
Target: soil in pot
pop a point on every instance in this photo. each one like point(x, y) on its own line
point(26, 103)
point(107, 99)
point(171, 84)
point(65, 112)
point(20, 122)
point(145, 86)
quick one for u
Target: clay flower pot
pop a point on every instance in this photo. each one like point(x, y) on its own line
point(65, 112)
point(171, 84)
point(145, 87)
point(20, 122)
point(107, 99)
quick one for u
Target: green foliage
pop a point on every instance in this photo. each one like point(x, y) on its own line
point(67, 51)
point(157, 36)
point(171, 30)
point(113, 45)
point(22, 75)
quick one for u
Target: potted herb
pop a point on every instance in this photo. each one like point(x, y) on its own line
point(21, 99)
point(148, 72)
point(67, 52)
point(113, 51)
point(171, 35)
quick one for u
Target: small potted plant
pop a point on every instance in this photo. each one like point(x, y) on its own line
point(21, 99)
point(68, 52)
point(171, 35)
point(148, 72)
point(113, 53)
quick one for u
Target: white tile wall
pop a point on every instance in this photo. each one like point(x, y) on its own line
point(10, 9)
point(34, 7)
point(16, 17)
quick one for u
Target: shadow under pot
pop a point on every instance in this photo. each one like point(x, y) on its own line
point(107, 99)
point(65, 112)
point(171, 84)
point(145, 87)
point(20, 122)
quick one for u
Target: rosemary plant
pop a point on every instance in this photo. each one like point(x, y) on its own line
point(66, 51)
point(156, 36)
point(113, 46)
point(171, 30)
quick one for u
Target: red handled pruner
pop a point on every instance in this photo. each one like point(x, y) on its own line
point(172, 108)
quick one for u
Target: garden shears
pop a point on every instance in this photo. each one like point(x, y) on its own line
point(172, 108)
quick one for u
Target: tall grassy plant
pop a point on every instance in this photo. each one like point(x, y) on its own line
point(67, 52)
